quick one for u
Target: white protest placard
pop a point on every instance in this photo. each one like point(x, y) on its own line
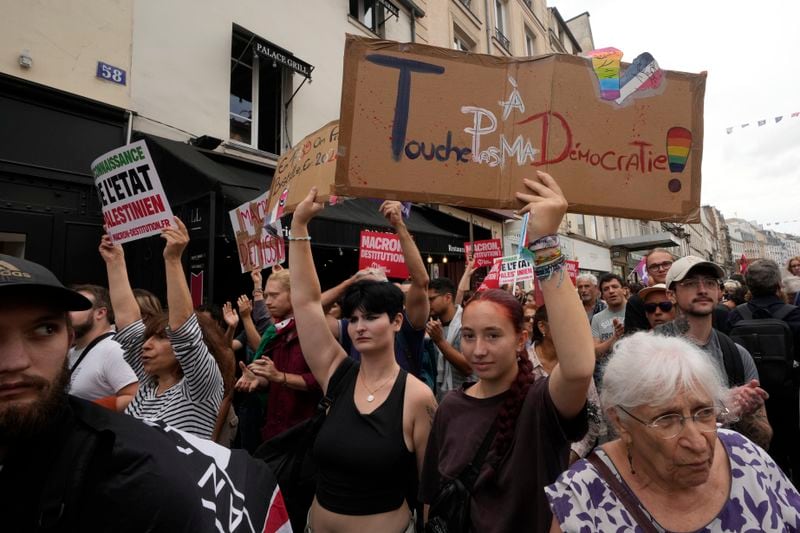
point(132, 197)
point(258, 248)
point(515, 268)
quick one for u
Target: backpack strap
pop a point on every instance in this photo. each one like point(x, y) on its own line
point(89, 347)
point(734, 368)
point(622, 492)
point(745, 311)
point(783, 312)
point(469, 475)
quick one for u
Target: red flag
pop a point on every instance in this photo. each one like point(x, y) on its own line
point(492, 279)
point(743, 264)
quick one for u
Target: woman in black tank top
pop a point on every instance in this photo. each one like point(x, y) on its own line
point(373, 441)
point(534, 421)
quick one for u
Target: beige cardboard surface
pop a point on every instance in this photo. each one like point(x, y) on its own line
point(476, 125)
point(310, 162)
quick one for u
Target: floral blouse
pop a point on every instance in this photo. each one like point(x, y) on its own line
point(761, 497)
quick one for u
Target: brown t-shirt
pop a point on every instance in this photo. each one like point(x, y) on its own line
point(513, 499)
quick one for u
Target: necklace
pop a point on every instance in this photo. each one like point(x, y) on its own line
point(371, 395)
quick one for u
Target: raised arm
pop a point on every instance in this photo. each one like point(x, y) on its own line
point(179, 299)
point(464, 284)
point(126, 310)
point(569, 382)
point(245, 311)
point(320, 349)
point(417, 304)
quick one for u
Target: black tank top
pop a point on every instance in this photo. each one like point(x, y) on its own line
point(364, 465)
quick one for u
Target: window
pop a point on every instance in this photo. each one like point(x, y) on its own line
point(256, 97)
point(460, 42)
point(498, 16)
point(530, 43)
point(370, 13)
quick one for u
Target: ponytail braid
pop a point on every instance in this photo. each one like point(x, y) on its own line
point(509, 411)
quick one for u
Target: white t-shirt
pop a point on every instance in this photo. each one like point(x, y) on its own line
point(102, 372)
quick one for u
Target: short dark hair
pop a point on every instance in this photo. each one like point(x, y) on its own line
point(610, 276)
point(443, 286)
point(373, 297)
point(540, 316)
point(100, 298)
point(763, 277)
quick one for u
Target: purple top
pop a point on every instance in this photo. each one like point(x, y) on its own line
point(761, 497)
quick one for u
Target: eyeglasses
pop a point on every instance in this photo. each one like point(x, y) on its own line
point(659, 266)
point(670, 426)
point(530, 319)
point(696, 283)
point(664, 306)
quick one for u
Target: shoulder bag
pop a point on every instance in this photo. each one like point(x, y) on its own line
point(290, 454)
point(449, 512)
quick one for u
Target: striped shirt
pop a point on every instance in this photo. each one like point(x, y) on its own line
point(193, 402)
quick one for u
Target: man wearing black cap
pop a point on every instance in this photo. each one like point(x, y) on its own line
point(69, 465)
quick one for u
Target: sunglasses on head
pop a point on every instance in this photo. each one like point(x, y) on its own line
point(664, 306)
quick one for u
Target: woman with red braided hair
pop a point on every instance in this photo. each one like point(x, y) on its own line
point(529, 423)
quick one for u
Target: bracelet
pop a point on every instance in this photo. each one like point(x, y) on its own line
point(545, 272)
point(257, 291)
point(284, 379)
point(548, 241)
point(306, 238)
point(547, 259)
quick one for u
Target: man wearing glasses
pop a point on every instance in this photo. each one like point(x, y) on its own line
point(694, 285)
point(658, 263)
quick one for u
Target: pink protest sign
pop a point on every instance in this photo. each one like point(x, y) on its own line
point(382, 250)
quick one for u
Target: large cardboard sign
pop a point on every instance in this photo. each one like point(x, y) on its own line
point(257, 247)
point(382, 250)
point(133, 201)
point(428, 124)
point(311, 162)
point(484, 252)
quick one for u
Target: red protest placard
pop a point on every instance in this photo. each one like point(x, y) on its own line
point(492, 279)
point(484, 252)
point(382, 250)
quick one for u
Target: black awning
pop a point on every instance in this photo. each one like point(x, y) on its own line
point(272, 52)
point(188, 173)
point(434, 232)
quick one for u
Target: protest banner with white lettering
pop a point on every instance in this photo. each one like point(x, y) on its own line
point(382, 250)
point(435, 125)
point(257, 247)
point(311, 162)
point(133, 201)
point(515, 269)
point(483, 252)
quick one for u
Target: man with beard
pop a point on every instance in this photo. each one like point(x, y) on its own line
point(69, 465)
point(658, 262)
point(96, 363)
point(694, 285)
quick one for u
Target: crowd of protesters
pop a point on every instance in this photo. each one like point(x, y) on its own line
point(607, 404)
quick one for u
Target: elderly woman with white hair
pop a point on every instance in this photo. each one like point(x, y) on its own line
point(673, 468)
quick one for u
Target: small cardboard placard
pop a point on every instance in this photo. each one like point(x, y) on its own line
point(382, 250)
point(257, 247)
point(434, 125)
point(311, 162)
point(484, 252)
point(131, 195)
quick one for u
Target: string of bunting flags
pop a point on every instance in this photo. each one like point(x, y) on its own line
point(761, 122)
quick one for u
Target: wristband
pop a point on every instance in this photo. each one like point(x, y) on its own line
point(284, 379)
point(306, 238)
point(548, 241)
point(257, 291)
